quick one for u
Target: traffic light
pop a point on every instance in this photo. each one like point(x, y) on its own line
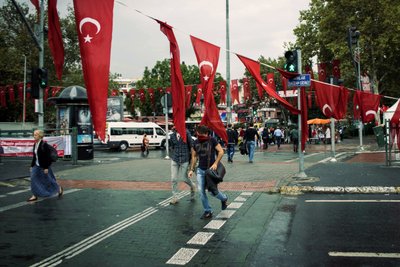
point(353, 36)
point(43, 77)
point(291, 61)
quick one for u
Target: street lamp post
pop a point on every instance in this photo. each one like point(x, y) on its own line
point(228, 71)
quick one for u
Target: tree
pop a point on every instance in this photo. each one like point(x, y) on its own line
point(323, 32)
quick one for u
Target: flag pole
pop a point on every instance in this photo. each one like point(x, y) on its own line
point(228, 70)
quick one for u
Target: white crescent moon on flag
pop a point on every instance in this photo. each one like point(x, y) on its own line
point(263, 84)
point(324, 107)
point(373, 112)
point(90, 20)
point(206, 63)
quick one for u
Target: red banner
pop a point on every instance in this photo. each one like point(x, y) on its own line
point(55, 38)
point(254, 69)
point(207, 57)
point(365, 106)
point(222, 90)
point(322, 72)
point(235, 91)
point(178, 88)
point(94, 21)
point(188, 89)
point(198, 94)
point(332, 100)
point(246, 89)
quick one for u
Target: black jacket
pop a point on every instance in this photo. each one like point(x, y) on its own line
point(43, 155)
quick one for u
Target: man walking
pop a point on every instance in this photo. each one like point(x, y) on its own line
point(232, 142)
point(179, 164)
point(250, 137)
point(204, 149)
point(278, 136)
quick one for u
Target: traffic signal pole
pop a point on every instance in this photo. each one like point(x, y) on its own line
point(301, 173)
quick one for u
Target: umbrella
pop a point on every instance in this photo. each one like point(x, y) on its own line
point(319, 121)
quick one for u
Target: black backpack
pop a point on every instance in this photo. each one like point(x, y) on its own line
point(53, 153)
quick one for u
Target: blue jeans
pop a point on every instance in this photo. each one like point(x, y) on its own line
point(201, 181)
point(179, 170)
point(251, 147)
point(230, 151)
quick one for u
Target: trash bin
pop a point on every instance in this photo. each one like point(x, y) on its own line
point(379, 134)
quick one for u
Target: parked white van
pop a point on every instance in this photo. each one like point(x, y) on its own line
point(123, 135)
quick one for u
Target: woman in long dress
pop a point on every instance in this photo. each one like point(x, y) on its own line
point(43, 181)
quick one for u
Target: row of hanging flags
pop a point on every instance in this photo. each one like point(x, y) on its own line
point(94, 20)
point(15, 93)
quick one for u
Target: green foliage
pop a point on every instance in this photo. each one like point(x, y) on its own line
point(323, 33)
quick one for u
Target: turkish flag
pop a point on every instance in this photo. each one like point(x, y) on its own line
point(46, 94)
point(151, 94)
point(207, 57)
point(36, 4)
point(271, 80)
point(188, 90)
point(365, 106)
point(235, 91)
point(332, 100)
point(336, 68)
point(178, 87)
point(287, 74)
point(55, 91)
point(11, 93)
point(94, 21)
point(199, 93)
point(322, 72)
point(246, 89)
point(3, 102)
point(222, 90)
point(21, 92)
point(254, 69)
point(55, 38)
point(309, 70)
point(142, 96)
point(260, 91)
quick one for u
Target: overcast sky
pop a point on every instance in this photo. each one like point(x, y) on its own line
point(257, 27)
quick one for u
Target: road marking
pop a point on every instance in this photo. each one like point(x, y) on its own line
point(18, 192)
point(183, 256)
point(307, 156)
point(201, 238)
point(352, 201)
point(87, 243)
point(20, 204)
point(215, 224)
point(180, 195)
point(364, 254)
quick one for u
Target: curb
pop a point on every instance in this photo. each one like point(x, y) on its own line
point(297, 190)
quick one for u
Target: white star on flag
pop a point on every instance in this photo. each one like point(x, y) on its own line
point(87, 39)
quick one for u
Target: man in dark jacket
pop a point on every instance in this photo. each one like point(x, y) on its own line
point(250, 137)
point(232, 142)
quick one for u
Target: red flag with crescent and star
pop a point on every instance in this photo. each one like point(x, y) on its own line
point(198, 94)
point(235, 91)
point(365, 106)
point(177, 85)
point(322, 72)
point(336, 68)
point(55, 38)
point(254, 68)
point(207, 57)
point(94, 21)
point(188, 90)
point(246, 89)
point(222, 90)
point(271, 80)
point(151, 95)
point(332, 100)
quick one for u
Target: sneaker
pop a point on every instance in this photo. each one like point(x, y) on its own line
point(224, 204)
point(206, 215)
point(173, 201)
